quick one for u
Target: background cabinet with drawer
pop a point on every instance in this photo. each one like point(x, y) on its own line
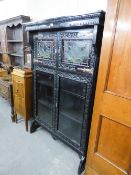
point(22, 92)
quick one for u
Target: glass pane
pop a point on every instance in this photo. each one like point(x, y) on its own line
point(76, 51)
point(45, 97)
point(71, 112)
point(70, 129)
point(45, 113)
point(45, 79)
point(73, 86)
point(45, 49)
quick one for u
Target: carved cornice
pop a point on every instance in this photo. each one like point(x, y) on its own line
point(96, 18)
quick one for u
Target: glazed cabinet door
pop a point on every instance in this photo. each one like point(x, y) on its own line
point(44, 97)
point(109, 150)
point(73, 109)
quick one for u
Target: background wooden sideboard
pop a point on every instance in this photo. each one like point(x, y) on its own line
point(13, 39)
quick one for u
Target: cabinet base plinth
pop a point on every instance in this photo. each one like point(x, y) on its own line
point(54, 137)
point(34, 126)
point(81, 165)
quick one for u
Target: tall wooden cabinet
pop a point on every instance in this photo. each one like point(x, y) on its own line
point(109, 150)
point(22, 92)
point(65, 56)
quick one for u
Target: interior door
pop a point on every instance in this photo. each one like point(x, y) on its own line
point(109, 151)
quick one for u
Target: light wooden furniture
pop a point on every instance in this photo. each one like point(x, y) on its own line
point(5, 82)
point(22, 92)
point(3, 72)
point(109, 151)
point(13, 39)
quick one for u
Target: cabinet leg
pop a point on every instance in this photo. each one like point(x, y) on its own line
point(15, 116)
point(54, 137)
point(80, 156)
point(26, 125)
point(34, 126)
point(12, 103)
point(81, 165)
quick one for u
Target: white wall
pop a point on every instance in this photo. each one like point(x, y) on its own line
point(42, 9)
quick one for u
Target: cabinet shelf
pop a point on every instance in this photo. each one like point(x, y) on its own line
point(72, 115)
point(14, 41)
point(47, 102)
point(73, 94)
point(16, 54)
point(46, 83)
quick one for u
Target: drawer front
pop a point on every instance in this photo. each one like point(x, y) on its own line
point(18, 84)
point(19, 89)
point(18, 79)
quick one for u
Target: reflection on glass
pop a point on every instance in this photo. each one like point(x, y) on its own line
point(71, 109)
point(45, 97)
point(76, 51)
point(45, 49)
point(73, 87)
point(70, 129)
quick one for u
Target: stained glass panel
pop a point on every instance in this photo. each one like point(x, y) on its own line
point(45, 49)
point(76, 51)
